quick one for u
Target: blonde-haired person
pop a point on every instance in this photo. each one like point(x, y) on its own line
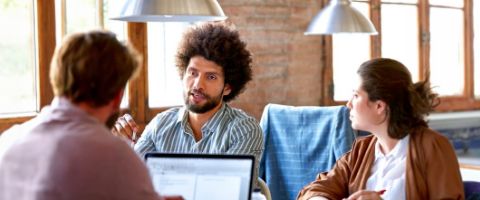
point(67, 151)
point(403, 158)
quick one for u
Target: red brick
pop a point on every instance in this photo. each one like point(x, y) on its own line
point(287, 64)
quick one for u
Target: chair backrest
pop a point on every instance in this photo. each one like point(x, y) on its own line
point(264, 189)
point(300, 142)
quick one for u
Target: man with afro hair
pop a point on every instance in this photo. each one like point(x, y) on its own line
point(214, 65)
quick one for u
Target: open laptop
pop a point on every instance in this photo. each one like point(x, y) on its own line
point(202, 176)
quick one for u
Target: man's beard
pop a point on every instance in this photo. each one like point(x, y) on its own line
point(209, 105)
point(112, 119)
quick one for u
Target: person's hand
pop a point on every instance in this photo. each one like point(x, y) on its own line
point(318, 198)
point(172, 198)
point(365, 194)
point(125, 126)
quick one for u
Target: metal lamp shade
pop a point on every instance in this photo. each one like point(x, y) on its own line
point(170, 11)
point(340, 17)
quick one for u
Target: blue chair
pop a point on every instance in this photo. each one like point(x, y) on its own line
point(472, 190)
point(300, 142)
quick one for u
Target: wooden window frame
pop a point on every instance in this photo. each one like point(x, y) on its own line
point(46, 29)
point(46, 46)
point(465, 101)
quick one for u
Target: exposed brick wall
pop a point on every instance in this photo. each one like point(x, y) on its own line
point(287, 64)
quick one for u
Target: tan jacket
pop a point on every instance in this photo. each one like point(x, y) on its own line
point(432, 170)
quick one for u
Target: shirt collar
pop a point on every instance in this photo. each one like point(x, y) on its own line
point(400, 150)
point(61, 108)
point(211, 124)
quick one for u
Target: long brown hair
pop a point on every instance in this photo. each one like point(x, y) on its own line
point(408, 103)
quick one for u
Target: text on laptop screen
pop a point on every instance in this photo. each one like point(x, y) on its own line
point(201, 177)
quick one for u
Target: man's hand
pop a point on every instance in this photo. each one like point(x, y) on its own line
point(125, 126)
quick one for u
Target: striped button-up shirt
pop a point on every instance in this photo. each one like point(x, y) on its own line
point(229, 131)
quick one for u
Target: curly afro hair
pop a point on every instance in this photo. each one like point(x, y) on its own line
point(217, 42)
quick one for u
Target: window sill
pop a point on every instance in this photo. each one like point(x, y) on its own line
point(454, 120)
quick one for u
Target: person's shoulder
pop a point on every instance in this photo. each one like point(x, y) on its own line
point(166, 118)
point(237, 114)
point(428, 135)
point(360, 146)
point(362, 141)
point(365, 138)
point(99, 146)
point(93, 135)
point(239, 118)
point(104, 154)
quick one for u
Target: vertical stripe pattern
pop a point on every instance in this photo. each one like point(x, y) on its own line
point(229, 131)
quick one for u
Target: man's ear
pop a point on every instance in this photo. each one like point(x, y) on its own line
point(227, 89)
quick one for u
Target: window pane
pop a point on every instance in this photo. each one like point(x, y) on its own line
point(17, 57)
point(120, 29)
point(476, 48)
point(450, 3)
point(164, 83)
point(116, 26)
point(347, 58)
point(446, 51)
point(78, 16)
point(81, 15)
point(400, 35)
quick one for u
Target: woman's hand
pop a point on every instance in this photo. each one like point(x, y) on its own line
point(365, 194)
point(172, 198)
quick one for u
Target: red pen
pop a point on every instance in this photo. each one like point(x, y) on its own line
point(381, 192)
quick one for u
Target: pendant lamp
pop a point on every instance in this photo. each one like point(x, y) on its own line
point(340, 17)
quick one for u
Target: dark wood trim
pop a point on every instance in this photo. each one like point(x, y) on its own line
point(327, 70)
point(100, 14)
point(376, 40)
point(399, 3)
point(424, 39)
point(442, 6)
point(457, 104)
point(468, 42)
point(137, 36)
point(46, 48)
point(469, 166)
point(9, 122)
point(45, 24)
point(326, 60)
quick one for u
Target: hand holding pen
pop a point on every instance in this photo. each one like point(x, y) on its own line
point(125, 126)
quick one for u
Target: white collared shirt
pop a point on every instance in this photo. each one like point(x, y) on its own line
point(388, 171)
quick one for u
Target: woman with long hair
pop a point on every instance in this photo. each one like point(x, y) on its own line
point(402, 158)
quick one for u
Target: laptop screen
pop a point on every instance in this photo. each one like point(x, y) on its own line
point(200, 176)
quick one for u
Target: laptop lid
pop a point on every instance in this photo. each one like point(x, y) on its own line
point(202, 176)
